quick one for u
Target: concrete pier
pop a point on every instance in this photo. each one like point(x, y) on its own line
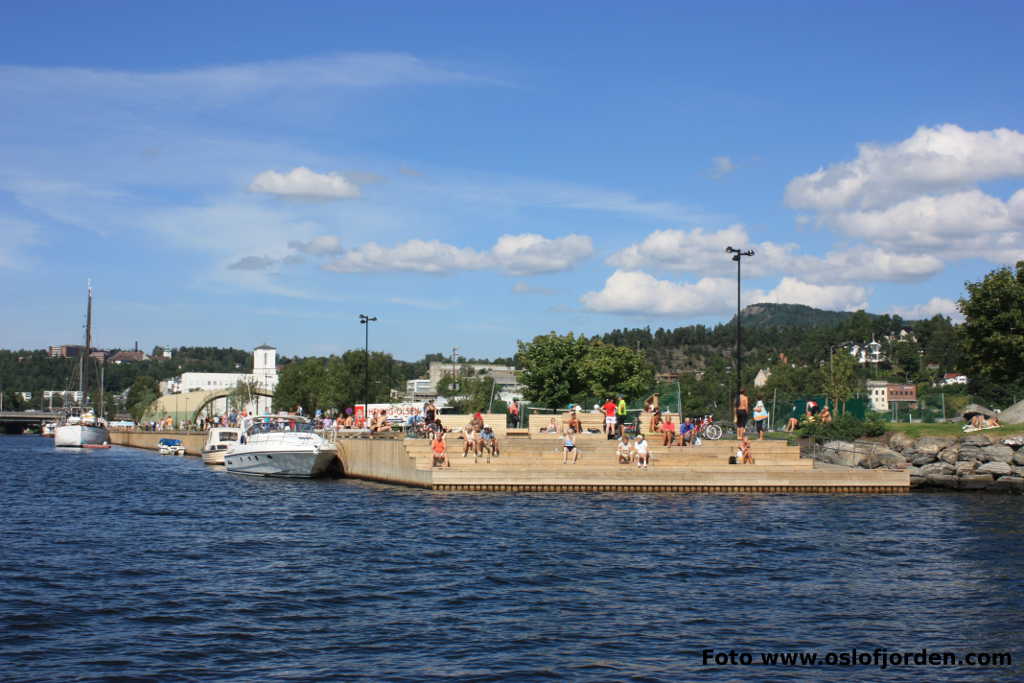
point(535, 464)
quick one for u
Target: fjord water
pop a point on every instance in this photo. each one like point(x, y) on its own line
point(124, 564)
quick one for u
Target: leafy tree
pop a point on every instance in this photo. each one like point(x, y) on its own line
point(993, 334)
point(839, 380)
point(608, 371)
point(141, 395)
point(550, 369)
point(467, 393)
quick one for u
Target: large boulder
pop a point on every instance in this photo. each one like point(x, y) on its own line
point(998, 469)
point(925, 459)
point(1015, 441)
point(969, 453)
point(949, 455)
point(841, 453)
point(1013, 415)
point(996, 453)
point(975, 440)
point(882, 457)
point(967, 467)
point(1006, 485)
point(937, 468)
point(971, 482)
point(1018, 457)
point(948, 481)
point(933, 444)
point(899, 441)
point(1018, 471)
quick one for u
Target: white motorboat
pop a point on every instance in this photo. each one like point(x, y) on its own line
point(281, 446)
point(219, 440)
point(79, 427)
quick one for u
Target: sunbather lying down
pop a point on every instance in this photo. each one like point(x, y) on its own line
point(981, 422)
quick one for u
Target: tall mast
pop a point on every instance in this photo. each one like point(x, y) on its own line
point(82, 386)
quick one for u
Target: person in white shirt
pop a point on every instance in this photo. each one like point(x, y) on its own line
point(643, 453)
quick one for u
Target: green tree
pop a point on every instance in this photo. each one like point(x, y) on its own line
point(607, 371)
point(550, 369)
point(993, 334)
point(467, 393)
point(143, 392)
point(840, 380)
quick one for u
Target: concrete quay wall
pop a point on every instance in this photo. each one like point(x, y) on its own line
point(381, 459)
point(193, 441)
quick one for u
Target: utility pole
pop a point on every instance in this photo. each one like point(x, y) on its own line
point(738, 255)
point(366, 320)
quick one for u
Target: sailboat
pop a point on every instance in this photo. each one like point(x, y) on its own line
point(79, 427)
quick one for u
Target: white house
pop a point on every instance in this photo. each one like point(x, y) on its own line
point(878, 393)
point(264, 375)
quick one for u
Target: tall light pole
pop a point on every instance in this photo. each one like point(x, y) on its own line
point(366, 320)
point(738, 255)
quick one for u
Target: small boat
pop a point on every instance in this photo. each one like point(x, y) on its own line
point(281, 446)
point(171, 447)
point(218, 440)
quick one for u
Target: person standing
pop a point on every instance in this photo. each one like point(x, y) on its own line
point(609, 418)
point(569, 446)
point(760, 419)
point(620, 415)
point(513, 414)
point(742, 413)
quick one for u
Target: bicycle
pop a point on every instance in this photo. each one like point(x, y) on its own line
point(707, 429)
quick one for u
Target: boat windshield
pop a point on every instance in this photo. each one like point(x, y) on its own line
point(228, 436)
point(279, 425)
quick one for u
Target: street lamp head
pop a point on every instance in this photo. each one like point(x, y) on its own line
point(363, 319)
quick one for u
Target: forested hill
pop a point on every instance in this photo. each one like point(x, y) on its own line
point(801, 334)
point(793, 315)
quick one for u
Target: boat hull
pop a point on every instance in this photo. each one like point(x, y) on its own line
point(213, 457)
point(76, 436)
point(303, 464)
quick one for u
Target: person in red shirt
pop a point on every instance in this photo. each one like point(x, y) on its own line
point(669, 431)
point(609, 417)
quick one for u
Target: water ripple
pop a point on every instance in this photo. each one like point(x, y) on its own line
point(128, 565)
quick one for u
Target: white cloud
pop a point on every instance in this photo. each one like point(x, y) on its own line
point(935, 306)
point(721, 167)
point(703, 252)
point(638, 293)
point(829, 297)
point(942, 159)
point(529, 253)
point(866, 264)
point(415, 255)
point(318, 246)
point(930, 221)
point(523, 254)
point(253, 263)
point(333, 71)
point(302, 182)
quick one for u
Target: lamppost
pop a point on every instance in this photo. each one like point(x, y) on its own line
point(366, 320)
point(738, 254)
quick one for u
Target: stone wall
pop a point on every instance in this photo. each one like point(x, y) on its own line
point(971, 462)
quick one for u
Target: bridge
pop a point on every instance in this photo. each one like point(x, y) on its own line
point(15, 421)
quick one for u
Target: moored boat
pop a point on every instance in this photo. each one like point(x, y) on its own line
point(79, 426)
point(281, 446)
point(219, 440)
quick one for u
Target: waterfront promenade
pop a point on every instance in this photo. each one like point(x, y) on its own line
point(535, 464)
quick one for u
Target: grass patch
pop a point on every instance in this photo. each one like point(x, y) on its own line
point(918, 429)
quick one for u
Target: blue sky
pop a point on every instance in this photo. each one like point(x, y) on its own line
point(477, 173)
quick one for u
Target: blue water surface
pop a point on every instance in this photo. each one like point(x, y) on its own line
point(127, 565)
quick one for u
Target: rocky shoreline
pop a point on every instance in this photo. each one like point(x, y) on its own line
point(972, 462)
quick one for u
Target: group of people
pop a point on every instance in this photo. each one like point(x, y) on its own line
point(478, 438)
point(633, 451)
point(743, 416)
point(812, 413)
